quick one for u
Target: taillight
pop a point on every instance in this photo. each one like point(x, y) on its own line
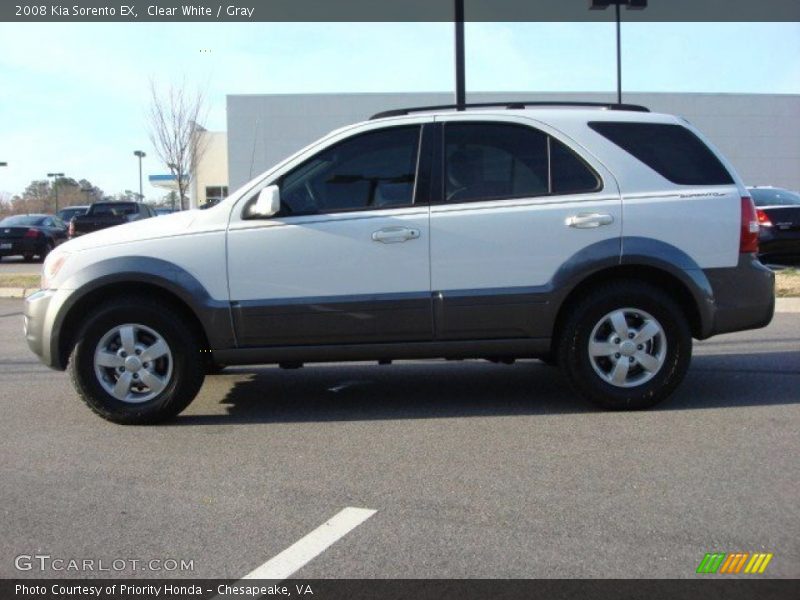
point(32, 233)
point(71, 230)
point(763, 218)
point(748, 238)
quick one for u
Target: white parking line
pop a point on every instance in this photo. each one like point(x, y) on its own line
point(312, 545)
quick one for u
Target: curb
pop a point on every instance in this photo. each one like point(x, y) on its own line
point(782, 305)
point(15, 292)
point(787, 305)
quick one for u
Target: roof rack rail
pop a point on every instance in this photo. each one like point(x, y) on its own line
point(509, 105)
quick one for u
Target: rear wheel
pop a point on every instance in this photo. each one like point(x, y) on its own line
point(135, 362)
point(627, 345)
point(47, 250)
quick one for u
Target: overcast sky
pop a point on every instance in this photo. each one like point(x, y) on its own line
point(74, 97)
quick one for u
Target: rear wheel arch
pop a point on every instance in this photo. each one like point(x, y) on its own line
point(652, 275)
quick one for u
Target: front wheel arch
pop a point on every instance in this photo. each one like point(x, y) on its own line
point(74, 318)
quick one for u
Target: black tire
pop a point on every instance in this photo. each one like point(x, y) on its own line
point(47, 250)
point(213, 368)
point(549, 360)
point(573, 346)
point(187, 372)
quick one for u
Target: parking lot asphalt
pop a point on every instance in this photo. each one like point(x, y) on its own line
point(474, 469)
point(16, 264)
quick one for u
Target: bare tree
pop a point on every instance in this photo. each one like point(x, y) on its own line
point(176, 133)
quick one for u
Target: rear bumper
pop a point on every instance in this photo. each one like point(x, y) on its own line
point(779, 244)
point(744, 296)
point(21, 247)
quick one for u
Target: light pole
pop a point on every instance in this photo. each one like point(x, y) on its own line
point(55, 177)
point(461, 87)
point(141, 155)
point(629, 4)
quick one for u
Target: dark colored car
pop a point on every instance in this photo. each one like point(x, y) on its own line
point(160, 212)
point(31, 235)
point(778, 213)
point(107, 214)
point(66, 214)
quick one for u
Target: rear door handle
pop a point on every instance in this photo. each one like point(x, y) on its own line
point(589, 220)
point(395, 235)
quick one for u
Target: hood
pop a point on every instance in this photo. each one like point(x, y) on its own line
point(146, 229)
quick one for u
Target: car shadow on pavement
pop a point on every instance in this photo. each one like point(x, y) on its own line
point(439, 389)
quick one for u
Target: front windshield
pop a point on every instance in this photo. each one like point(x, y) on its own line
point(774, 197)
point(22, 221)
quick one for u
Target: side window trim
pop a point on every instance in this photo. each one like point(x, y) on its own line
point(419, 164)
point(427, 173)
point(440, 197)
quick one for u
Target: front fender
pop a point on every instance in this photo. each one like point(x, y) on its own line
point(213, 315)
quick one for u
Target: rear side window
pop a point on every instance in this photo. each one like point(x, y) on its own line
point(492, 161)
point(569, 174)
point(672, 151)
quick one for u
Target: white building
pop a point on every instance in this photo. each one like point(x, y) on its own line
point(759, 133)
point(209, 182)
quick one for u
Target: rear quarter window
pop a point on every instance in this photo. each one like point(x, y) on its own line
point(672, 151)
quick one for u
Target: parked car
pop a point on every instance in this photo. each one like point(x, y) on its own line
point(602, 238)
point(160, 212)
point(31, 235)
point(778, 213)
point(66, 214)
point(102, 215)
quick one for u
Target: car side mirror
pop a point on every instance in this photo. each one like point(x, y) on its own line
point(267, 204)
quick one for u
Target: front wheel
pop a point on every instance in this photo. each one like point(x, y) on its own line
point(626, 345)
point(135, 362)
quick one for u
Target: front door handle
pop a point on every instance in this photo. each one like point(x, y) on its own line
point(394, 235)
point(589, 220)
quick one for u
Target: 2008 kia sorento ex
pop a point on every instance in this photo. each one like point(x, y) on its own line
point(600, 238)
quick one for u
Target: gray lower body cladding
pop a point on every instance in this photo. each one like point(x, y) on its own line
point(510, 322)
point(35, 324)
point(744, 296)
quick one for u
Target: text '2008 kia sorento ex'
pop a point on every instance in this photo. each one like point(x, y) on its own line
point(600, 238)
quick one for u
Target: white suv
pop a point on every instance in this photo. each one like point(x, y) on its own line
point(601, 238)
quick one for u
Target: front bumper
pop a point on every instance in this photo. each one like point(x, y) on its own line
point(37, 324)
point(744, 296)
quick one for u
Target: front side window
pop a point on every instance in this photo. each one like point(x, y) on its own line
point(372, 170)
point(489, 161)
